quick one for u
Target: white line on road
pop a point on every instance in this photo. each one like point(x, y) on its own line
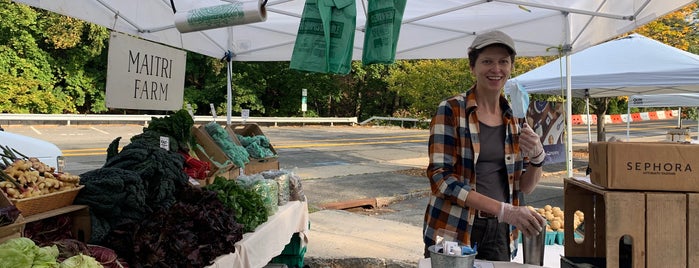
point(99, 130)
point(35, 130)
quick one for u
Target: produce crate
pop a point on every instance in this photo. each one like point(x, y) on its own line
point(251, 130)
point(78, 214)
point(12, 230)
point(213, 154)
point(292, 261)
point(294, 247)
point(645, 229)
point(34, 205)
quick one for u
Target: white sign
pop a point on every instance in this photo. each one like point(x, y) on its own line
point(144, 75)
point(245, 114)
point(165, 142)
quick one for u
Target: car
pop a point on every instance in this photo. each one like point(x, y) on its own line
point(47, 152)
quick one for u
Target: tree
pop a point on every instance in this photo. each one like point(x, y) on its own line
point(423, 84)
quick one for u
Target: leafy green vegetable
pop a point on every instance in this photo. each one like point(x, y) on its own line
point(22, 252)
point(248, 205)
point(80, 261)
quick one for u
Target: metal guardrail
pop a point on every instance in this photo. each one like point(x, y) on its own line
point(402, 120)
point(68, 119)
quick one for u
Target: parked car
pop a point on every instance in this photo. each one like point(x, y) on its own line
point(46, 152)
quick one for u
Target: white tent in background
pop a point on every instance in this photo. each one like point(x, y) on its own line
point(664, 100)
point(429, 30)
point(625, 66)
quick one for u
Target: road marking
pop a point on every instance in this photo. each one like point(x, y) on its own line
point(35, 130)
point(99, 130)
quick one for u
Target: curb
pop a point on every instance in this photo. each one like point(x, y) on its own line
point(316, 262)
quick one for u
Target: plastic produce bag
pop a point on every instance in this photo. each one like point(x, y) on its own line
point(382, 31)
point(519, 99)
point(325, 37)
point(282, 179)
point(238, 154)
point(268, 189)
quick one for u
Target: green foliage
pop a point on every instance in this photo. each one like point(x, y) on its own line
point(423, 84)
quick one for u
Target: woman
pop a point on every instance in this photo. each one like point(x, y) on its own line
point(478, 154)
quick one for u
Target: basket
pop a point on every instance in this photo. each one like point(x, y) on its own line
point(43, 203)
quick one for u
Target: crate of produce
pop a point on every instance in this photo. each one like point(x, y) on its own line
point(42, 203)
point(254, 140)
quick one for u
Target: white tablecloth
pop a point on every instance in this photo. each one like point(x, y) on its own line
point(257, 248)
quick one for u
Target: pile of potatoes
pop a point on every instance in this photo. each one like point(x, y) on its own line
point(555, 218)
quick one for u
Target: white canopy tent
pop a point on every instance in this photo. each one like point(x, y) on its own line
point(429, 30)
point(664, 100)
point(629, 65)
point(625, 66)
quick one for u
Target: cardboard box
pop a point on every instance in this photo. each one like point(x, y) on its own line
point(251, 130)
point(653, 166)
point(644, 229)
point(213, 154)
point(258, 167)
point(692, 230)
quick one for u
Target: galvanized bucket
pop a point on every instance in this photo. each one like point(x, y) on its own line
point(440, 260)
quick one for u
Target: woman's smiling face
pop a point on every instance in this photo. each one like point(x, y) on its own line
point(492, 68)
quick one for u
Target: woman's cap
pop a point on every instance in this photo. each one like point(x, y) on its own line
point(493, 37)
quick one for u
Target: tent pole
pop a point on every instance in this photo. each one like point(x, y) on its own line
point(628, 120)
point(569, 126)
point(229, 91)
point(587, 111)
point(679, 117)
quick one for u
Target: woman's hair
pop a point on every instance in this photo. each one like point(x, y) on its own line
point(474, 53)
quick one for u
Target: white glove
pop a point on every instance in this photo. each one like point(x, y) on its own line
point(526, 220)
point(530, 145)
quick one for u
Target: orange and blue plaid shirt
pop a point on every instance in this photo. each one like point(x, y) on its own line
point(453, 152)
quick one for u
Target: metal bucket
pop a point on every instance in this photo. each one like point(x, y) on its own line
point(440, 260)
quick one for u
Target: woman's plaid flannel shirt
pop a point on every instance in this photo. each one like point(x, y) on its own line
point(453, 152)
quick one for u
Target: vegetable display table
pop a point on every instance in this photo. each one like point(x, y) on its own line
point(257, 248)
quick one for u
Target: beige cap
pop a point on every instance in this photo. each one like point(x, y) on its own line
point(494, 37)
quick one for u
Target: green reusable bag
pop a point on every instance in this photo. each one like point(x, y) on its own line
point(383, 27)
point(325, 38)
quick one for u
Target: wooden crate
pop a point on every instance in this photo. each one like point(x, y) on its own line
point(609, 216)
point(692, 230)
point(12, 230)
point(656, 224)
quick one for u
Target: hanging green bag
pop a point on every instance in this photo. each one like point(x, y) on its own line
point(325, 37)
point(383, 27)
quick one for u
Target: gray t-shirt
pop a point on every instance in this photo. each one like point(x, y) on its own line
point(491, 173)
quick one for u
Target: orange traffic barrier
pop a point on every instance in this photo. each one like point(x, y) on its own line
point(653, 115)
point(668, 114)
point(616, 118)
point(577, 119)
point(594, 119)
point(636, 117)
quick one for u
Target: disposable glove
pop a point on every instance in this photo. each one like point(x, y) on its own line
point(530, 145)
point(526, 220)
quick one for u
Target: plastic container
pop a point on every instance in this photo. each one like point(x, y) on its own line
point(439, 260)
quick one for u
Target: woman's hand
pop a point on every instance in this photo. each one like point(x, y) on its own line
point(530, 145)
